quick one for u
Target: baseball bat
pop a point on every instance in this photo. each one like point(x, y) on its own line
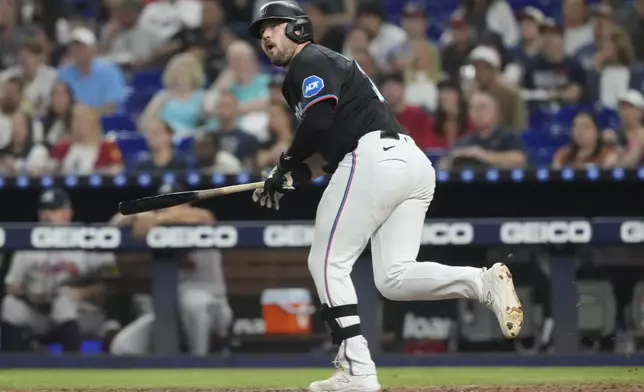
point(173, 199)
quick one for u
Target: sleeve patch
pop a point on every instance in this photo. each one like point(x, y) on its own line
point(312, 86)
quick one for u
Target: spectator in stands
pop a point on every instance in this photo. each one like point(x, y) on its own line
point(14, 30)
point(96, 83)
point(631, 136)
point(419, 76)
point(23, 155)
point(275, 89)
point(577, 29)
point(413, 119)
point(239, 11)
point(586, 147)
point(281, 136)
point(324, 33)
point(635, 26)
point(125, 41)
point(415, 24)
point(39, 78)
point(368, 65)
point(451, 120)
point(203, 302)
point(613, 73)
point(529, 48)
point(205, 41)
point(161, 154)
point(454, 54)
point(231, 138)
point(167, 17)
point(489, 145)
point(388, 43)
point(554, 76)
point(87, 152)
point(357, 42)
point(488, 17)
point(512, 111)
point(245, 79)
point(180, 104)
point(210, 159)
point(11, 96)
point(603, 27)
point(57, 122)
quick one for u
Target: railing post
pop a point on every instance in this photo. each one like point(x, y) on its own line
point(165, 280)
point(563, 299)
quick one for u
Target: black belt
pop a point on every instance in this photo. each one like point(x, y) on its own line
point(389, 135)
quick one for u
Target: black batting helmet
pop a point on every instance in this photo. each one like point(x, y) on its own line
point(299, 27)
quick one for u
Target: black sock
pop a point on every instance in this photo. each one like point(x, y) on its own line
point(68, 334)
point(13, 338)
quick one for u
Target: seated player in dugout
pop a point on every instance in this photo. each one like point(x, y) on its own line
point(203, 299)
point(55, 296)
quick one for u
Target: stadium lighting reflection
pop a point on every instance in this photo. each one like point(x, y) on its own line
point(71, 181)
point(492, 175)
point(22, 182)
point(517, 175)
point(168, 178)
point(120, 180)
point(193, 179)
point(543, 174)
point(243, 178)
point(618, 173)
point(218, 179)
point(95, 180)
point(46, 181)
point(467, 175)
point(592, 173)
point(442, 176)
point(567, 174)
point(145, 179)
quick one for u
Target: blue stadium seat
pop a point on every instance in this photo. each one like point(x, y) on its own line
point(138, 100)
point(131, 144)
point(118, 123)
point(147, 80)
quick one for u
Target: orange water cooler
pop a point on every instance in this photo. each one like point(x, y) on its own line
point(287, 311)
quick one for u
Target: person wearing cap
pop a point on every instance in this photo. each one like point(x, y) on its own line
point(489, 145)
point(125, 41)
point(577, 29)
point(388, 43)
point(554, 76)
point(529, 48)
point(631, 135)
point(324, 33)
point(203, 299)
point(54, 295)
point(603, 27)
point(513, 115)
point(454, 54)
point(96, 83)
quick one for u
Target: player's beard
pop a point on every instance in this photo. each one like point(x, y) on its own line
point(282, 58)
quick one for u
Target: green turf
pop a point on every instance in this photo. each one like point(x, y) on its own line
point(270, 378)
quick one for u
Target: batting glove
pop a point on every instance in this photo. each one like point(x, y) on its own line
point(277, 183)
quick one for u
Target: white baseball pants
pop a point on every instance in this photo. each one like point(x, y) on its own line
point(380, 192)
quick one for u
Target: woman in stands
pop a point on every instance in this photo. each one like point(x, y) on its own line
point(631, 137)
point(586, 147)
point(23, 155)
point(615, 71)
point(451, 119)
point(180, 103)
point(244, 78)
point(87, 151)
point(421, 75)
point(57, 122)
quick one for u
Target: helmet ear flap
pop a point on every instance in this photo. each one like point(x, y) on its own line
point(300, 30)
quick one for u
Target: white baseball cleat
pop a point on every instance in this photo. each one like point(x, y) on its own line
point(501, 298)
point(343, 381)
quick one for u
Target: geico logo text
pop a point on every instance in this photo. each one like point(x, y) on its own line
point(555, 232)
point(76, 237)
point(192, 237)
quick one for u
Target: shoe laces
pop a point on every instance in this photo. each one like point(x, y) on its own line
point(339, 368)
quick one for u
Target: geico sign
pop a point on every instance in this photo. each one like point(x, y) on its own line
point(631, 232)
point(76, 237)
point(555, 232)
point(278, 236)
point(448, 234)
point(192, 237)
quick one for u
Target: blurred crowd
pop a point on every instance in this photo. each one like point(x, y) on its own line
point(91, 86)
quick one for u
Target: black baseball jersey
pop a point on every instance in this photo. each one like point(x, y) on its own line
point(318, 73)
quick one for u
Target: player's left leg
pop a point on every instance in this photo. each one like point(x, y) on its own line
point(64, 314)
point(195, 307)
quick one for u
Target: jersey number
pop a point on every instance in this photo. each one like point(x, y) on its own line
point(373, 85)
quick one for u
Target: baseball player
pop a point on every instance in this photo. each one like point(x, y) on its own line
point(203, 300)
point(380, 189)
point(54, 294)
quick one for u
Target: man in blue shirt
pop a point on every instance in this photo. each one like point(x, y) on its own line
point(96, 83)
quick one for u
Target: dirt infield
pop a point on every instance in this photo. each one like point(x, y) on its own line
point(604, 387)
